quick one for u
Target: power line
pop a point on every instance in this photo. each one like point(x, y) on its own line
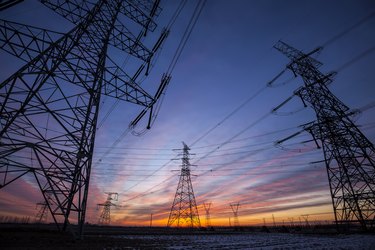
point(356, 59)
point(186, 35)
point(278, 165)
point(153, 174)
point(148, 190)
point(176, 14)
point(212, 173)
point(205, 146)
point(349, 29)
point(174, 60)
point(233, 137)
point(261, 90)
point(140, 36)
point(230, 115)
point(157, 170)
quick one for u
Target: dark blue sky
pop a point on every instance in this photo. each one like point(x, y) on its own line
point(228, 58)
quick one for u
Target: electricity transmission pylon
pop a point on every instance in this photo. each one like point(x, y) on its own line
point(49, 107)
point(105, 216)
point(41, 215)
point(306, 218)
point(349, 156)
point(184, 211)
point(207, 207)
point(234, 207)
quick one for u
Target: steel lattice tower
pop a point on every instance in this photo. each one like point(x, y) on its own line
point(41, 215)
point(207, 207)
point(349, 155)
point(105, 216)
point(5, 4)
point(49, 107)
point(184, 211)
point(234, 208)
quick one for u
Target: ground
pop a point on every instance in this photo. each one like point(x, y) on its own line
point(106, 238)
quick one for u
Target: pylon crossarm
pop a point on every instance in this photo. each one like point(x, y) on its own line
point(131, 10)
point(163, 84)
point(24, 41)
point(75, 10)
point(123, 39)
point(118, 84)
point(297, 56)
point(72, 10)
point(149, 6)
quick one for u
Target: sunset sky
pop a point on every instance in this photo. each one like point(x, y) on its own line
point(219, 104)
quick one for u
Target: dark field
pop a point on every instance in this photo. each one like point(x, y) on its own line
point(46, 237)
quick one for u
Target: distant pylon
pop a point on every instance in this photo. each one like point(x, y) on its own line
point(207, 207)
point(105, 216)
point(291, 220)
point(41, 215)
point(234, 207)
point(184, 211)
point(306, 218)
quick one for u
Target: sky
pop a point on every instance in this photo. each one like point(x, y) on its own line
point(219, 104)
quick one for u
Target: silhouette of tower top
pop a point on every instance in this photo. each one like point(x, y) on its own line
point(184, 211)
point(349, 155)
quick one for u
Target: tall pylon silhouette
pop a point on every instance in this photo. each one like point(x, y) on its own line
point(49, 107)
point(184, 211)
point(207, 207)
point(105, 216)
point(349, 156)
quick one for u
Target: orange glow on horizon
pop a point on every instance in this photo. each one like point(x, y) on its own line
point(286, 217)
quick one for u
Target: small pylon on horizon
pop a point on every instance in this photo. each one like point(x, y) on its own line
point(207, 207)
point(234, 207)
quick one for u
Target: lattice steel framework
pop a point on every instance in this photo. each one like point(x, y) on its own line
point(105, 216)
point(184, 211)
point(49, 107)
point(207, 207)
point(349, 155)
point(42, 214)
point(234, 208)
